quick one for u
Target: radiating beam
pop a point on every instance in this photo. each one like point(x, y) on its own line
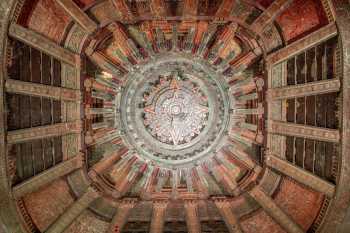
point(225, 8)
point(303, 131)
point(249, 126)
point(107, 162)
point(248, 111)
point(240, 82)
point(205, 39)
point(29, 134)
point(301, 90)
point(160, 39)
point(98, 139)
point(34, 89)
point(158, 216)
point(270, 14)
point(242, 159)
point(127, 180)
point(272, 209)
point(102, 95)
point(43, 44)
point(99, 111)
point(246, 136)
point(243, 61)
point(300, 175)
point(100, 125)
point(103, 87)
point(106, 64)
point(149, 180)
point(190, 8)
point(121, 217)
point(305, 43)
point(225, 177)
point(192, 216)
point(109, 83)
point(78, 15)
point(46, 177)
point(126, 172)
point(248, 97)
point(72, 213)
point(231, 221)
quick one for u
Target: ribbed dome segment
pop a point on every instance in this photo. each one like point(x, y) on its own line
point(173, 116)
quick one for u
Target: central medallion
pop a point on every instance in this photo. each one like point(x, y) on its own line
point(175, 111)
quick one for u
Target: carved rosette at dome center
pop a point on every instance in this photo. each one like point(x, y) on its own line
point(176, 111)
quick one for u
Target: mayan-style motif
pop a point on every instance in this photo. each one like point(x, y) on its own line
point(179, 114)
point(159, 116)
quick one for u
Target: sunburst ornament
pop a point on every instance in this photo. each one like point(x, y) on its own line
point(176, 111)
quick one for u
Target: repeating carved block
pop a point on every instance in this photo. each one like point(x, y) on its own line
point(192, 216)
point(34, 89)
point(22, 135)
point(303, 131)
point(309, 89)
point(158, 215)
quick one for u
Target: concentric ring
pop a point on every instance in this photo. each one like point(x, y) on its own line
point(197, 128)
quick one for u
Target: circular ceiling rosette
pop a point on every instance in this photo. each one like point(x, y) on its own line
point(173, 116)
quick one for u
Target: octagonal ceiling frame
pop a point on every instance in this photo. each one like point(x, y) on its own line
point(340, 6)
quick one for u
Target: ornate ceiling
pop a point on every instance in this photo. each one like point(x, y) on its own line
point(174, 116)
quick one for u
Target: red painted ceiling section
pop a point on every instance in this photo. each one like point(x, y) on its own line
point(44, 212)
point(299, 202)
point(260, 222)
point(49, 19)
point(302, 17)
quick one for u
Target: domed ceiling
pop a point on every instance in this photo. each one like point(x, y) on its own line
point(174, 116)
